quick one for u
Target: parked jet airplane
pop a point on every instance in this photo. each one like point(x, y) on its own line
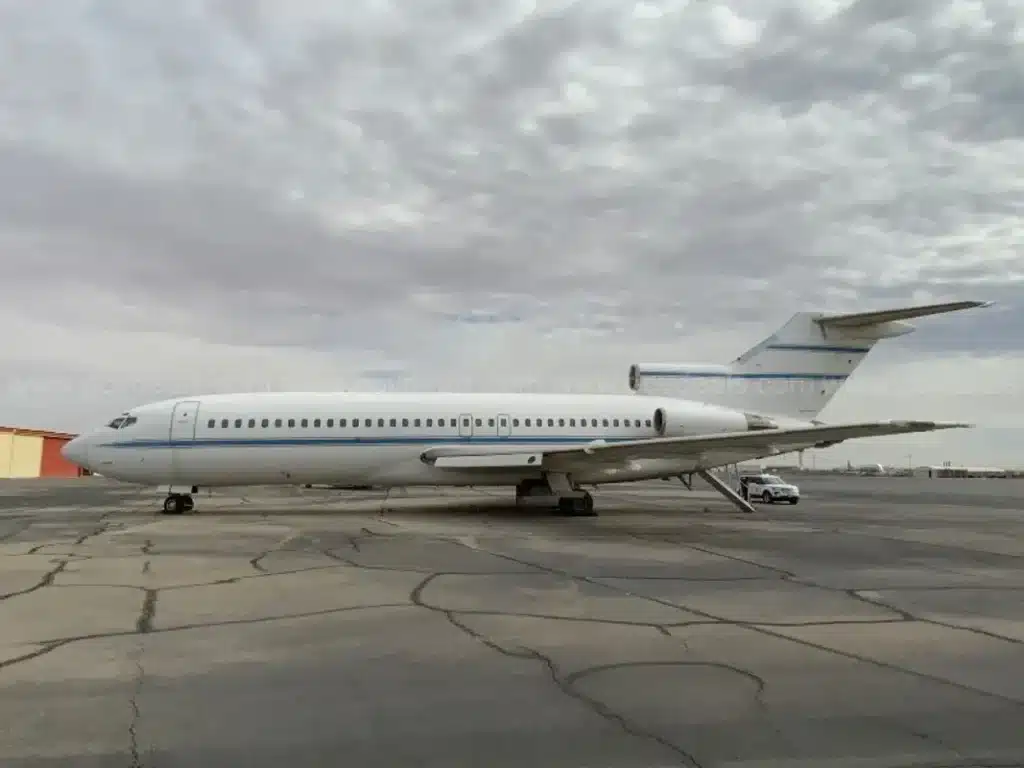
point(546, 445)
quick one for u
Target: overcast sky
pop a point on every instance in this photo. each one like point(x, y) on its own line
point(477, 195)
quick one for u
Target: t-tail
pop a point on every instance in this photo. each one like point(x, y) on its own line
point(793, 373)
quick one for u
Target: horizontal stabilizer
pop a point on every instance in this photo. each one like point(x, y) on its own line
point(861, 319)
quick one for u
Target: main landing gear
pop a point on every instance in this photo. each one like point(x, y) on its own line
point(558, 492)
point(180, 503)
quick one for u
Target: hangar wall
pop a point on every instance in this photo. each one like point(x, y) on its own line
point(52, 463)
point(26, 455)
point(34, 453)
point(6, 448)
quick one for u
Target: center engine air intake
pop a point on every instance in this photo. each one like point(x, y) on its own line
point(660, 420)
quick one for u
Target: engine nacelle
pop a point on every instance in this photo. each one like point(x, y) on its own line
point(684, 419)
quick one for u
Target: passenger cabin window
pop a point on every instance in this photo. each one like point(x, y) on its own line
point(330, 422)
point(252, 423)
point(305, 422)
point(238, 423)
point(265, 423)
point(278, 422)
point(316, 423)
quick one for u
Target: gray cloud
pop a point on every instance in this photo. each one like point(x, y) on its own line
point(410, 192)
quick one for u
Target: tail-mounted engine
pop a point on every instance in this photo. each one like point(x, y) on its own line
point(693, 419)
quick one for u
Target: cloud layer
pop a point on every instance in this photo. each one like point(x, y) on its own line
point(201, 196)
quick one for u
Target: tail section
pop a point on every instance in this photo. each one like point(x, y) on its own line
point(793, 373)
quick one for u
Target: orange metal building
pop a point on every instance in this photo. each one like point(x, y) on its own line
point(35, 453)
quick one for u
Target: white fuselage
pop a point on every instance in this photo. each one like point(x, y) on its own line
point(379, 438)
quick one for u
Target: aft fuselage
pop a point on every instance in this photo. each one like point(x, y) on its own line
point(379, 438)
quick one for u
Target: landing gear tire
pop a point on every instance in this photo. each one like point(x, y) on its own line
point(793, 501)
point(178, 504)
point(577, 506)
point(766, 498)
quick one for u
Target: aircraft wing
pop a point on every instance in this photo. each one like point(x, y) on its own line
point(705, 450)
point(756, 443)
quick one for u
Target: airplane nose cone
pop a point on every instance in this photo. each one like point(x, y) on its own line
point(76, 451)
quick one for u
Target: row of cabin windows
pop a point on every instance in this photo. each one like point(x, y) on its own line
point(369, 422)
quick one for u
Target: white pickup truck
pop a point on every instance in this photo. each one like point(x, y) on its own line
point(767, 488)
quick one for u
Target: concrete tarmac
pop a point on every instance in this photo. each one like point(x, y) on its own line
point(880, 622)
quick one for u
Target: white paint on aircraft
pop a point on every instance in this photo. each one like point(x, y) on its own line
point(763, 404)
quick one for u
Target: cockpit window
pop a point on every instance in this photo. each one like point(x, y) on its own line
point(122, 421)
point(129, 420)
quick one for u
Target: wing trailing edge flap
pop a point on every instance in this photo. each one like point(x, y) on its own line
point(708, 450)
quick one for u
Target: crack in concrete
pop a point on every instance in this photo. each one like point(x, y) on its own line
point(136, 713)
point(565, 682)
point(45, 581)
point(49, 646)
point(255, 562)
point(754, 627)
point(853, 594)
point(557, 678)
point(144, 624)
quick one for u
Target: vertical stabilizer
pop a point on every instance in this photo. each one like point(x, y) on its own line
point(796, 371)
